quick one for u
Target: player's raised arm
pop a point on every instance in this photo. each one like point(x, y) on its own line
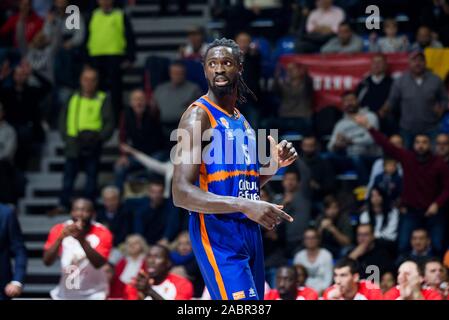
point(186, 172)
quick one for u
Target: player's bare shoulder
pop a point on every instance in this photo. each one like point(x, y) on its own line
point(194, 116)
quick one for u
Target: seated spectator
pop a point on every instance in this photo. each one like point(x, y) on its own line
point(111, 48)
point(322, 181)
point(370, 251)
point(274, 243)
point(373, 91)
point(156, 282)
point(301, 271)
point(182, 254)
point(378, 165)
point(113, 214)
point(346, 41)
point(172, 98)
point(442, 146)
point(127, 268)
point(296, 203)
point(422, 91)
point(287, 287)
point(387, 282)
point(196, 46)
point(435, 14)
point(389, 181)
point(435, 276)
point(317, 261)
point(391, 42)
point(425, 39)
point(296, 96)
point(410, 286)
point(421, 249)
point(8, 145)
point(40, 55)
point(321, 25)
point(26, 22)
point(348, 286)
point(42, 7)
point(85, 124)
point(350, 141)
point(251, 74)
point(85, 245)
point(381, 215)
point(334, 228)
point(141, 129)
point(152, 165)
point(154, 217)
point(425, 188)
point(22, 111)
point(184, 260)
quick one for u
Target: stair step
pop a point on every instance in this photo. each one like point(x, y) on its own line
point(149, 14)
point(156, 2)
point(42, 278)
point(37, 266)
point(161, 34)
point(166, 24)
point(32, 289)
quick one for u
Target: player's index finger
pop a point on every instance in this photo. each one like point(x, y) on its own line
point(283, 215)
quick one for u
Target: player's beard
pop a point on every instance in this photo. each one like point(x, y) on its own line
point(221, 91)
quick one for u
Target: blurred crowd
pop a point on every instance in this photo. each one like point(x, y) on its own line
point(369, 196)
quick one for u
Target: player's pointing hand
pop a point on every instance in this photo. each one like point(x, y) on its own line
point(264, 213)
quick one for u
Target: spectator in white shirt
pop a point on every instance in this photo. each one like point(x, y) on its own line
point(381, 215)
point(129, 266)
point(84, 246)
point(317, 261)
point(321, 25)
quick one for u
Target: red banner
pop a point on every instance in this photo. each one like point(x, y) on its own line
point(333, 74)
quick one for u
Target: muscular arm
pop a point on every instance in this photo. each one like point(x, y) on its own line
point(186, 172)
point(185, 193)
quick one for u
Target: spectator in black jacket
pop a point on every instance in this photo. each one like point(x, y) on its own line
point(373, 91)
point(141, 129)
point(153, 216)
point(322, 180)
point(370, 252)
point(421, 248)
point(12, 248)
point(251, 74)
point(113, 215)
point(22, 111)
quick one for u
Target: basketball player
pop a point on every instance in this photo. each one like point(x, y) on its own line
point(223, 197)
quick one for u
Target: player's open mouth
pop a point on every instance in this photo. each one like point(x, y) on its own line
point(221, 82)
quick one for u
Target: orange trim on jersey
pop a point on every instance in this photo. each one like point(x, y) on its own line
point(210, 256)
point(223, 175)
point(205, 238)
point(212, 120)
point(220, 108)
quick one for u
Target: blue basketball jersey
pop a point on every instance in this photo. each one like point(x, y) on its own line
point(229, 164)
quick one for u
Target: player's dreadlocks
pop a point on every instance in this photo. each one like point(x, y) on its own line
point(242, 89)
